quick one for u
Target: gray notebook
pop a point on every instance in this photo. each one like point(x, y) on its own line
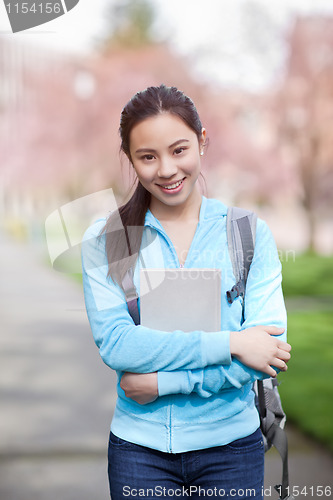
point(181, 299)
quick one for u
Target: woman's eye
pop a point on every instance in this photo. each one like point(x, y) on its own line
point(148, 157)
point(179, 151)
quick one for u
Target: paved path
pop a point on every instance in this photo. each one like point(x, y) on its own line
point(57, 397)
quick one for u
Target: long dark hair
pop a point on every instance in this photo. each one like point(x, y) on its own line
point(123, 244)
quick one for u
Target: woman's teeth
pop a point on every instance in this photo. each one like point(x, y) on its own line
point(173, 186)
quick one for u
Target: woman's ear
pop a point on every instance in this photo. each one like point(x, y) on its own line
point(202, 141)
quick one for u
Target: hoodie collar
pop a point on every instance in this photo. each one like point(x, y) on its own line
point(210, 209)
point(151, 220)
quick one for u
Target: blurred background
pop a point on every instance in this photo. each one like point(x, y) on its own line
point(261, 76)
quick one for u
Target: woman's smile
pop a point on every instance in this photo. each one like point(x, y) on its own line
point(173, 188)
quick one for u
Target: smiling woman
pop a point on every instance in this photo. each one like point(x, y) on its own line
point(185, 416)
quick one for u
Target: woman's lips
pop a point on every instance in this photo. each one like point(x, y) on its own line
point(173, 188)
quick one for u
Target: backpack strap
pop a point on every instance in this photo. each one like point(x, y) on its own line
point(241, 230)
point(278, 438)
point(272, 420)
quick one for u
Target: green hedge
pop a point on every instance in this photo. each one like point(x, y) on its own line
point(307, 274)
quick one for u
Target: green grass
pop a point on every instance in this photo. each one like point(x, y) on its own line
point(307, 274)
point(307, 387)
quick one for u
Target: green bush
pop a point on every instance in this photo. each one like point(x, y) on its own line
point(307, 274)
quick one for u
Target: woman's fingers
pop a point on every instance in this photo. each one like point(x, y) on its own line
point(270, 371)
point(273, 330)
point(283, 345)
point(260, 349)
point(284, 355)
point(280, 364)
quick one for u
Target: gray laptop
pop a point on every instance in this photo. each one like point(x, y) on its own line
point(181, 299)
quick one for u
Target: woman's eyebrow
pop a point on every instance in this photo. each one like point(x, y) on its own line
point(149, 150)
point(145, 150)
point(178, 142)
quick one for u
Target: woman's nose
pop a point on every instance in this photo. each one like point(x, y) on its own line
point(167, 168)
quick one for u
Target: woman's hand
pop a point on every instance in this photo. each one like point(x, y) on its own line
point(257, 348)
point(142, 387)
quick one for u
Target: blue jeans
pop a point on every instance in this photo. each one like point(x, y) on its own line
point(234, 471)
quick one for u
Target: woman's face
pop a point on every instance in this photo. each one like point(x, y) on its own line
point(165, 154)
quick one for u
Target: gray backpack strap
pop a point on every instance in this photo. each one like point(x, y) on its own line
point(131, 294)
point(241, 231)
point(279, 440)
point(272, 421)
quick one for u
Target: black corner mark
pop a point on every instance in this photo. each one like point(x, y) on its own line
point(24, 15)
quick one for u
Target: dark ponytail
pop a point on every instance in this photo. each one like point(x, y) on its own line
point(123, 244)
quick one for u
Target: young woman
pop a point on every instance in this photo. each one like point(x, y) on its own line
point(185, 423)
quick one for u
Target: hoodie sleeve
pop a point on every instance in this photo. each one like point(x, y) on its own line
point(124, 346)
point(208, 381)
point(264, 305)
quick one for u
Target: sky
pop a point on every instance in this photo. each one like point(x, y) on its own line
point(228, 41)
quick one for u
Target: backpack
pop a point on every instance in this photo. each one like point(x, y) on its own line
point(241, 230)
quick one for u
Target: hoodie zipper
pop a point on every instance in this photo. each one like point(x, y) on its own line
point(170, 244)
point(180, 266)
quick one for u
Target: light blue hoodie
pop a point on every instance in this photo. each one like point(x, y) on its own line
point(205, 395)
